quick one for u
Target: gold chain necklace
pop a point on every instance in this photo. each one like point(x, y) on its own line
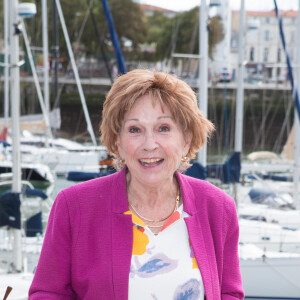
point(177, 200)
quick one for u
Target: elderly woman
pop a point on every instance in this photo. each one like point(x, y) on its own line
point(147, 231)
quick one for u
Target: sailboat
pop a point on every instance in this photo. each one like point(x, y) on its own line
point(267, 274)
point(14, 273)
point(61, 155)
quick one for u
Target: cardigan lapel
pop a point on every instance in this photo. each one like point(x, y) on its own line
point(196, 232)
point(122, 237)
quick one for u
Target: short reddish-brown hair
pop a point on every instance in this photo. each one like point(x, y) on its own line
point(169, 90)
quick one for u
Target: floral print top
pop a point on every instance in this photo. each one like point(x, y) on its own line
point(163, 266)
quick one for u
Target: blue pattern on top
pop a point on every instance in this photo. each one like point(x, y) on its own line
point(188, 291)
point(153, 266)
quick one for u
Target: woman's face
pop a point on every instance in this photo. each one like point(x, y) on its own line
point(151, 143)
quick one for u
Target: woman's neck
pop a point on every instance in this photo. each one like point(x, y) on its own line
point(151, 196)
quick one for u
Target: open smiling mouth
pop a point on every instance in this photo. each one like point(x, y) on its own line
point(151, 162)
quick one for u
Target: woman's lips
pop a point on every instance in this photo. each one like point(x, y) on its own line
point(150, 162)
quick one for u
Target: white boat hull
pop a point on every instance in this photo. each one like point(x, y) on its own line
point(271, 278)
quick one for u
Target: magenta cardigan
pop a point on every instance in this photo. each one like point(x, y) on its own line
point(88, 243)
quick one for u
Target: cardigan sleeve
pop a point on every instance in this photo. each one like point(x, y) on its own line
point(231, 288)
point(52, 278)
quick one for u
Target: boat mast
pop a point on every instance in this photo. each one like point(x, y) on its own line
point(239, 113)
point(6, 62)
point(42, 101)
point(45, 55)
point(240, 84)
point(15, 115)
point(297, 124)
point(114, 37)
point(76, 74)
point(55, 49)
point(202, 89)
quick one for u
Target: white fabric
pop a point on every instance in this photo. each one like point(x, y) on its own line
point(163, 266)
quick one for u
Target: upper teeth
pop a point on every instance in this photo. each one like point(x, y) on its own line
point(150, 160)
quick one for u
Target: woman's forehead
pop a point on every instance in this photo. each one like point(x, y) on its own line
point(147, 106)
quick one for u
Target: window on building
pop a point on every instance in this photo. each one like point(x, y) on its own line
point(267, 20)
point(266, 54)
point(267, 35)
point(279, 55)
point(251, 58)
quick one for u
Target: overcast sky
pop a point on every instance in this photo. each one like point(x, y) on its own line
point(180, 5)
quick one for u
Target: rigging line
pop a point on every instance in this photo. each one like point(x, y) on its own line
point(271, 121)
point(35, 76)
point(261, 132)
point(290, 69)
point(175, 24)
point(288, 127)
point(232, 129)
point(221, 126)
point(254, 128)
point(100, 40)
point(75, 52)
point(76, 73)
point(81, 29)
point(278, 143)
point(192, 43)
point(286, 119)
point(215, 117)
point(258, 130)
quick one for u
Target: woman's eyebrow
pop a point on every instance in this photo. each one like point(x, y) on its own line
point(131, 120)
point(165, 117)
point(159, 118)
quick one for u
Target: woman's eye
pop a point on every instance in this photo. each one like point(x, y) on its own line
point(164, 128)
point(134, 130)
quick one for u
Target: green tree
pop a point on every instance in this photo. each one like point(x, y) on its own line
point(181, 34)
point(128, 18)
point(215, 35)
point(155, 24)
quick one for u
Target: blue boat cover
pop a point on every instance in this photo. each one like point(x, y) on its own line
point(83, 176)
point(35, 192)
point(33, 225)
point(257, 195)
point(10, 214)
point(228, 172)
point(196, 171)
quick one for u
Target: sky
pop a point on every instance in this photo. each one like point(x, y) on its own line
point(181, 5)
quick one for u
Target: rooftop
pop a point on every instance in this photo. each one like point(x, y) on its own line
point(155, 8)
point(271, 13)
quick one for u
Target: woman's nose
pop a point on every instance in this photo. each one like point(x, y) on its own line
point(150, 143)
